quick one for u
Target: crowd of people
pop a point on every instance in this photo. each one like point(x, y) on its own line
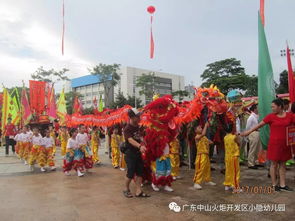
point(127, 148)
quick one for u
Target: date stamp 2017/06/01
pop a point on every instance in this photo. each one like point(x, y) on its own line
point(257, 189)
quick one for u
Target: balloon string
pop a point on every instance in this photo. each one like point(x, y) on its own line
point(63, 27)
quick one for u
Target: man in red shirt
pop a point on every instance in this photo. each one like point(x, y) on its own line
point(9, 133)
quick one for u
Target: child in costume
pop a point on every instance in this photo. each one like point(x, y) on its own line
point(46, 156)
point(174, 158)
point(95, 142)
point(86, 157)
point(116, 140)
point(63, 139)
point(35, 151)
point(202, 163)
point(73, 153)
point(25, 144)
point(17, 139)
point(232, 165)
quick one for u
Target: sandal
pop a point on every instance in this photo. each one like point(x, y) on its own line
point(127, 194)
point(143, 195)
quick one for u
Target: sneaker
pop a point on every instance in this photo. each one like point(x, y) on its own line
point(43, 169)
point(67, 173)
point(286, 189)
point(179, 177)
point(26, 163)
point(98, 163)
point(211, 183)
point(168, 189)
point(155, 188)
point(277, 188)
point(79, 173)
point(53, 168)
point(116, 167)
point(123, 169)
point(174, 178)
point(237, 190)
point(197, 186)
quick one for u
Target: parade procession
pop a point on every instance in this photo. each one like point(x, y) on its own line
point(127, 143)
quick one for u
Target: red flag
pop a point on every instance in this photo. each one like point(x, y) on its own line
point(51, 110)
point(262, 12)
point(152, 47)
point(25, 108)
point(291, 80)
point(78, 108)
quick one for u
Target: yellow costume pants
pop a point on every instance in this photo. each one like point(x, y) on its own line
point(46, 157)
point(26, 150)
point(115, 156)
point(34, 154)
point(95, 156)
point(232, 172)
point(175, 163)
point(122, 161)
point(20, 150)
point(63, 147)
point(203, 169)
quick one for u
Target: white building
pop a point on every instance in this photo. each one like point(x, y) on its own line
point(90, 86)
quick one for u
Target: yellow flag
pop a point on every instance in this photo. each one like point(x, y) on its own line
point(13, 107)
point(62, 109)
point(4, 108)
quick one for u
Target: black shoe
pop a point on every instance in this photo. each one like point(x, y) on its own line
point(259, 165)
point(222, 171)
point(277, 188)
point(286, 188)
point(213, 169)
point(253, 167)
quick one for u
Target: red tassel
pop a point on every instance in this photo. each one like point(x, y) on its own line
point(152, 47)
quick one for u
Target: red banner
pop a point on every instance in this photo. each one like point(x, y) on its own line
point(37, 96)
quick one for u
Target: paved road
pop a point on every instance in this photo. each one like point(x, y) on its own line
point(36, 196)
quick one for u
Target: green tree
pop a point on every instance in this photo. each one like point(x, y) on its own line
point(252, 86)
point(121, 100)
point(134, 102)
point(109, 77)
point(50, 75)
point(146, 84)
point(180, 94)
point(283, 86)
point(227, 74)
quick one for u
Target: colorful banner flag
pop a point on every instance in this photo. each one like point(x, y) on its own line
point(266, 92)
point(51, 104)
point(101, 106)
point(95, 106)
point(78, 108)
point(25, 108)
point(14, 107)
point(37, 96)
point(291, 79)
point(62, 109)
point(5, 102)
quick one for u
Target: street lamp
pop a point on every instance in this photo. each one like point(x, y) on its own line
point(284, 52)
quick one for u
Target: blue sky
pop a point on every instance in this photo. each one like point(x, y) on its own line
point(188, 34)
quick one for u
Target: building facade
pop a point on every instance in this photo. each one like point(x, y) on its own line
point(91, 87)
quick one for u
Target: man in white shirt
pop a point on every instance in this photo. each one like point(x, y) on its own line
point(254, 139)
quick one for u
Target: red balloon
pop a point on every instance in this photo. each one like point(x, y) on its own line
point(151, 9)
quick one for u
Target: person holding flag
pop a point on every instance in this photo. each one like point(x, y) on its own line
point(9, 133)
